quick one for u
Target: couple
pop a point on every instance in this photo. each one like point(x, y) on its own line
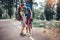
point(26, 18)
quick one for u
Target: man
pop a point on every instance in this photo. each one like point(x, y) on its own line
point(26, 14)
point(29, 14)
point(29, 20)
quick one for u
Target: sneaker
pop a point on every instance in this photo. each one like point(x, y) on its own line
point(21, 33)
point(29, 35)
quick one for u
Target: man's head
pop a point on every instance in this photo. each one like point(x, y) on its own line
point(23, 5)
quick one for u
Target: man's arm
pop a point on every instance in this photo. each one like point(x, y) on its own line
point(31, 13)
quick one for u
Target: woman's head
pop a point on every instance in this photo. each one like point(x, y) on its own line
point(22, 6)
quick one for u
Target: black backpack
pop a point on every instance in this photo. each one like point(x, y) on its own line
point(18, 16)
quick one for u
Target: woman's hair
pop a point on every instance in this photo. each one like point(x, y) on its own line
point(19, 9)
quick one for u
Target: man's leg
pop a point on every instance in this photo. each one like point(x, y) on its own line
point(29, 25)
point(29, 29)
point(26, 29)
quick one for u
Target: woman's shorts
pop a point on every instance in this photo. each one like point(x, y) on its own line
point(23, 22)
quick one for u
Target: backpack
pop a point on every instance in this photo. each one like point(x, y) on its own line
point(18, 16)
point(27, 13)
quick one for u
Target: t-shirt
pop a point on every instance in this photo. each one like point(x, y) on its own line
point(22, 12)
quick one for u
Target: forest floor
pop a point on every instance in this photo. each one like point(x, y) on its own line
point(53, 33)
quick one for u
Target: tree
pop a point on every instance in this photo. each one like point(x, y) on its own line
point(1, 12)
point(10, 12)
point(37, 13)
point(58, 10)
point(8, 4)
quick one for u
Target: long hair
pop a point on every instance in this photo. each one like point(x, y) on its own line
point(19, 9)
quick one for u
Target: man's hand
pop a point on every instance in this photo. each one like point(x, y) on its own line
point(31, 19)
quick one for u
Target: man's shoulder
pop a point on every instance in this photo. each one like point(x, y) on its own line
point(27, 7)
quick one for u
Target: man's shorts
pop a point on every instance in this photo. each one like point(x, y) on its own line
point(29, 22)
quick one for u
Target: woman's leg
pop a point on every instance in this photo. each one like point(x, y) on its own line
point(22, 28)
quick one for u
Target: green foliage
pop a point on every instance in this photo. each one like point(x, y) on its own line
point(42, 16)
point(36, 13)
point(38, 23)
point(10, 12)
point(8, 4)
point(1, 11)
